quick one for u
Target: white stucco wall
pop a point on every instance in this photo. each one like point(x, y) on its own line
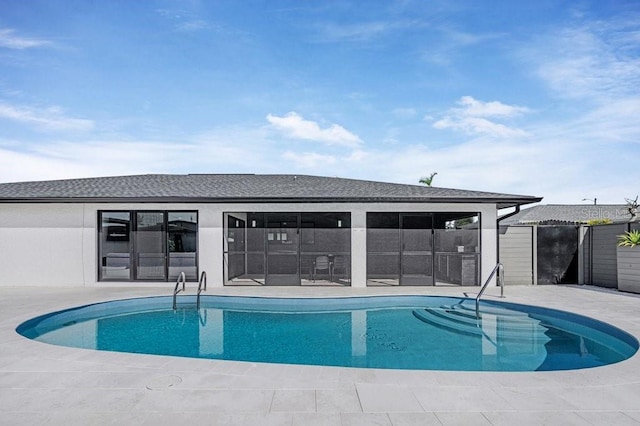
point(57, 244)
point(42, 244)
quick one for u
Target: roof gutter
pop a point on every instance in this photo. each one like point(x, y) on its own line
point(507, 216)
point(500, 203)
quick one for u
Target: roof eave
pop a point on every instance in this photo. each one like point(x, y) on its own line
point(500, 202)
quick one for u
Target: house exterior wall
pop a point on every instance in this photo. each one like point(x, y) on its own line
point(42, 244)
point(56, 244)
point(517, 254)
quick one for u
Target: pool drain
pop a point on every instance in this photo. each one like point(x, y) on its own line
point(164, 382)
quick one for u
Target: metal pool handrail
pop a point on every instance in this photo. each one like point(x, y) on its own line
point(499, 269)
point(201, 287)
point(182, 279)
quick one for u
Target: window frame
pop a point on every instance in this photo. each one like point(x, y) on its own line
point(132, 239)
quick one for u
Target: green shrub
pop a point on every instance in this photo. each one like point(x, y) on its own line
point(604, 221)
point(629, 239)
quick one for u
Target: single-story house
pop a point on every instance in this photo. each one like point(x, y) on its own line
point(246, 229)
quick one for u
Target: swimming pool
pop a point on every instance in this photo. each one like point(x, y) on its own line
point(401, 332)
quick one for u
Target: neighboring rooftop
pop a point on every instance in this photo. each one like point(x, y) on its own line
point(568, 214)
point(242, 188)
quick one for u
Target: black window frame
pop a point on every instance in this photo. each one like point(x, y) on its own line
point(392, 221)
point(131, 238)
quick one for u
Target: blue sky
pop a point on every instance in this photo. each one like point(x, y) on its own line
point(538, 98)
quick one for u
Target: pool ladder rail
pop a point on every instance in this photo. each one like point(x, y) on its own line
point(499, 270)
point(202, 286)
point(181, 285)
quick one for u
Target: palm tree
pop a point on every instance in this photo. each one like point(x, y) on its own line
point(428, 180)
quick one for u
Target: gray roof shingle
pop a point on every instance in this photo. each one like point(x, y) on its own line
point(240, 188)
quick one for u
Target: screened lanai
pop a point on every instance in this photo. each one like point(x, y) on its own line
point(423, 248)
point(288, 249)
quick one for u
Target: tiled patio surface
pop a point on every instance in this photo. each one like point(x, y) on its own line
point(46, 384)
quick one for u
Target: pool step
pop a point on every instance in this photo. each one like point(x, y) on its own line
point(470, 309)
point(506, 323)
point(447, 319)
point(508, 319)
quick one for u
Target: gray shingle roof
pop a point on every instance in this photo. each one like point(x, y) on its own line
point(240, 188)
point(568, 214)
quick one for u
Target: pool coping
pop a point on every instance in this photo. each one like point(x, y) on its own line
point(42, 383)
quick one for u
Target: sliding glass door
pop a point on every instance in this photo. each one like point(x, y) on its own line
point(151, 245)
point(147, 245)
point(283, 249)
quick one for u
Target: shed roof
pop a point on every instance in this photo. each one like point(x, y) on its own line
point(568, 214)
point(217, 188)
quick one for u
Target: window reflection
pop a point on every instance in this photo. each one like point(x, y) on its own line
point(135, 245)
point(115, 262)
point(182, 244)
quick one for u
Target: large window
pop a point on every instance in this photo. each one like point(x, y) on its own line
point(147, 245)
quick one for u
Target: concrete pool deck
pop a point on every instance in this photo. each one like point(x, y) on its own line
point(46, 384)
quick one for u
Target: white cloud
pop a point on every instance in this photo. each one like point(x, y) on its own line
point(590, 60)
point(475, 108)
point(229, 150)
point(452, 43)
point(295, 126)
point(473, 118)
point(51, 118)
point(11, 41)
point(478, 126)
point(64, 159)
point(565, 162)
point(613, 122)
point(71, 160)
point(549, 168)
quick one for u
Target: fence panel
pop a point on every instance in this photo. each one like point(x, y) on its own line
point(604, 239)
point(516, 254)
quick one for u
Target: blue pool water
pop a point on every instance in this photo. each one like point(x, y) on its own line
point(401, 332)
